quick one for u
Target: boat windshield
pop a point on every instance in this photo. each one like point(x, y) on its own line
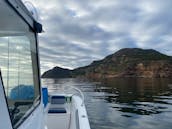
point(19, 66)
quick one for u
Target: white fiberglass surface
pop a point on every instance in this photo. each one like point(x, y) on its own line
point(10, 21)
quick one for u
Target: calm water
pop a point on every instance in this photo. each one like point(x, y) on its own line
point(125, 103)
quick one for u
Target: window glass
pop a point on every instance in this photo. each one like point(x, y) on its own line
point(18, 63)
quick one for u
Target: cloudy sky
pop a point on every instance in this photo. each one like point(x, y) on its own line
point(80, 31)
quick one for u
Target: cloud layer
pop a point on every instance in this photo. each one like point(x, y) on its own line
point(78, 32)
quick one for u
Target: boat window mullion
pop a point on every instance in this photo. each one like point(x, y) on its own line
point(34, 64)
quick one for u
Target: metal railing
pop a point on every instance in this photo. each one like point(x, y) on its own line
point(68, 89)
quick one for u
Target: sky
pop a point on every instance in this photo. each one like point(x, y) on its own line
point(80, 31)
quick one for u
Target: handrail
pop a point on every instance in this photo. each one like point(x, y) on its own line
point(78, 91)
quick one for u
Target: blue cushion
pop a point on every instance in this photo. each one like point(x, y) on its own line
point(57, 110)
point(45, 96)
point(58, 99)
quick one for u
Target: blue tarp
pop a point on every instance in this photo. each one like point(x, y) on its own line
point(22, 92)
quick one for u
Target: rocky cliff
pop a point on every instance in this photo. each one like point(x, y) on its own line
point(129, 62)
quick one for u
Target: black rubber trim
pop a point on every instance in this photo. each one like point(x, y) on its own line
point(38, 65)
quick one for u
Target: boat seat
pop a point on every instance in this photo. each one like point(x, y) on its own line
point(57, 120)
point(56, 110)
point(58, 100)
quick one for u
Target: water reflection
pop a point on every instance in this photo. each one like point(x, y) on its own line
point(140, 96)
point(125, 103)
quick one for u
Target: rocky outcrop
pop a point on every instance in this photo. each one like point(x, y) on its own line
point(158, 69)
point(129, 62)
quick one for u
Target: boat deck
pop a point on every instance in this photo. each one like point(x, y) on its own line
point(58, 113)
point(66, 111)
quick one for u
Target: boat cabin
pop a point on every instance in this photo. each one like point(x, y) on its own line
point(20, 93)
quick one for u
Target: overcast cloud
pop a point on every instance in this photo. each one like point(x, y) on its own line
point(80, 31)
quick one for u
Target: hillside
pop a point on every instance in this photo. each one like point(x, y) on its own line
point(128, 62)
point(57, 72)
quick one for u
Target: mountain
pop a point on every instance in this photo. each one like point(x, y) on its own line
point(127, 62)
point(57, 72)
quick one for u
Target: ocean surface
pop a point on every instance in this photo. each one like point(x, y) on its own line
point(128, 103)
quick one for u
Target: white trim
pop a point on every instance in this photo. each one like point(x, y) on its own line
point(5, 122)
point(82, 113)
point(23, 11)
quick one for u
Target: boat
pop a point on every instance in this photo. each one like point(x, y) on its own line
point(25, 104)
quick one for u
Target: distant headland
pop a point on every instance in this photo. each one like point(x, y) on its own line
point(127, 62)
